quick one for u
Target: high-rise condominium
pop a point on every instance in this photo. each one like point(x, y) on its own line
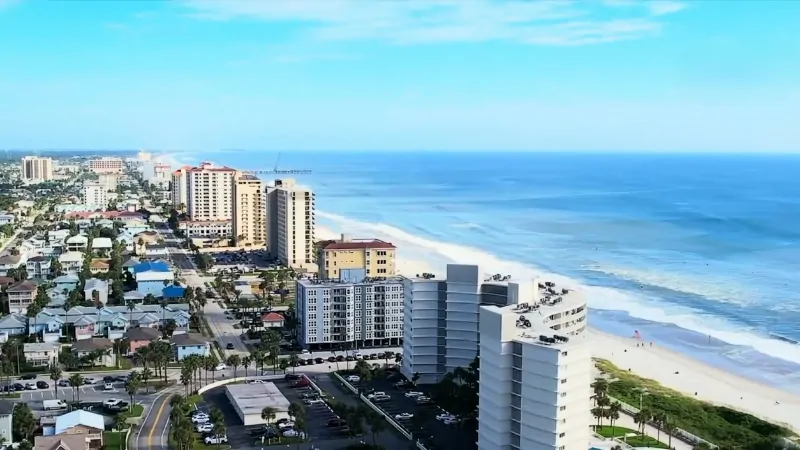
point(441, 319)
point(248, 210)
point(290, 224)
point(95, 196)
point(351, 314)
point(179, 188)
point(535, 371)
point(209, 192)
point(36, 169)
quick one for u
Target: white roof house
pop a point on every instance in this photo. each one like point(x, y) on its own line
point(79, 417)
point(101, 242)
point(71, 257)
point(153, 275)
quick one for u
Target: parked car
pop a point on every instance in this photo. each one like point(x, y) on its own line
point(108, 386)
point(229, 346)
point(320, 360)
point(291, 377)
point(423, 400)
point(30, 386)
point(286, 425)
point(63, 382)
point(54, 404)
point(108, 379)
point(89, 380)
point(204, 428)
point(254, 382)
point(411, 394)
point(221, 439)
point(28, 376)
point(42, 385)
point(381, 399)
point(445, 416)
point(404, 416)
point(112, 402)
point(376, 394)
point(221, 366)
point(331, 359)
point(305, 352)
point(313, 401)
point(353, 378)
point(200, 418)
point(301, 383)
point(294, 433)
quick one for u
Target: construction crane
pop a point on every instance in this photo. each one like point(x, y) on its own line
point(276, 171)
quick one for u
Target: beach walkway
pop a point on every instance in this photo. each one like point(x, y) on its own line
point(628, 422)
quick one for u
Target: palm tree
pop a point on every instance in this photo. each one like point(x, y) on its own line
point(268, 414)
point(658, 419)
point(55, 375)
point(234, 361)
point(377, 425)
point(120, 422)
point(246, 361)
point(218, 422)
point(613, 414)
point(76, 381)
point(641, 419)
point(145, 375)
point(669, 428)
point(132, 386)
point(131, 307)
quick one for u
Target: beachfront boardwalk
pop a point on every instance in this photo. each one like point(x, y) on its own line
point(628, 422)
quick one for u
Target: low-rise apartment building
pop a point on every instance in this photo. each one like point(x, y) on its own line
point(349, 259)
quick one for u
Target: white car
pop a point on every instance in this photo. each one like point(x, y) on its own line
point(412, 394)
point(404, 416)
point(313, 401)
point(200, 418)
point(451, 421)
point(359, 355)
point(254, 382)
point(221, 366)
point(287, 424)
point(376, 394)
point(216, 440)
point(353, 378)
point(204, 428)
point(305, 352)
point(294, 433)
point(108, 386)
point(445, 416)
point(89, 380)
point(112, 402)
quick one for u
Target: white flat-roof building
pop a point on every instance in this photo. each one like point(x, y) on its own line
point(366, 313)
point(250, 399)
point(535, 373)
point(289, 227)
point(95, 196)
point(444, 317)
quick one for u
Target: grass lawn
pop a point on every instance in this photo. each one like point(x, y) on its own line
point(114, 440)
point(637, 441)
point(194, 399)
point(135, 411)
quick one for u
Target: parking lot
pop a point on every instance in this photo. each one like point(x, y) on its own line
point(436, 431)
point(253, 258)
point(94, 391)
point(317, 416)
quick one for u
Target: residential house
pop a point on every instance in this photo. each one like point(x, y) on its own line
point(153, 282)
point(6, 281)
point(130, 263)
point(155, 218)
point(49, 326)
point(173, 292)
point(71, 262)
point(6, 421)
point(127, 217)
point(20, 296)
point(134, 296)
point(135, 227)
point(10, 262)
point(155, 251)
point(32, 245)
point(149, 266)
point(38, 267)
point(58, 235)
point(139, 337)
point(41, 354)
point(57, 297)
point(13, 324)
point(6, 219)
point(127, 240)
point(99, 266)
point(82, 423)
point(189, 344)
point(77, 243)
point(84, 327)
point(102, 245)
point(272, 320)
point(88, 347)
point(83, 224)
point(96, 285)
point(62, 442)
point(105, 223)
point(68, 282)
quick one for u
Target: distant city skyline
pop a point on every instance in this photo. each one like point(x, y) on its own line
point(613, 75)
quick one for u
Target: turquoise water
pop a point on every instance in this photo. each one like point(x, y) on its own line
point(698, 252)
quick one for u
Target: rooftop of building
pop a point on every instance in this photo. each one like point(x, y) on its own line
point(358, 244)
point(252, 398)
point(313, 282)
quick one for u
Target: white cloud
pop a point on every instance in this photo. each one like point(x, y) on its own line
point(431, 21)
point(663, 7)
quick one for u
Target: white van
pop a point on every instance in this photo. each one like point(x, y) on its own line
point(54, 404)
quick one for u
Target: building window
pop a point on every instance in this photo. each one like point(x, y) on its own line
point(562, 434)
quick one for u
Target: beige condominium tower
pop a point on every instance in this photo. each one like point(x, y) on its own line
point(209, 192)
point(36, 169)
point(248, 210)
point(290, 224)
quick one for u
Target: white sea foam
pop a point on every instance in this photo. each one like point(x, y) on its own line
point(440, 253)
point(723, 291)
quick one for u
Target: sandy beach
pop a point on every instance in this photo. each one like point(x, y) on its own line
point(693, 376)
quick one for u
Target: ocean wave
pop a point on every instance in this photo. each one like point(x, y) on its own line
point(440, 253)
point(723, 291)
point(467, 226)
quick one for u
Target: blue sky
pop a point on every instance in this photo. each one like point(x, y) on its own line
point(392, 75)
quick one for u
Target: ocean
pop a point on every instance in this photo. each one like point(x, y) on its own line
point(698, 252)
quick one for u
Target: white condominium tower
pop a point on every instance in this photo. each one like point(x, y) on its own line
point(36, 169)
point(336, 314)
point(290, 224)
point(209, 192)
point(248, 210)
point(441, 319)
point(95, 196)
point(535, 373)
point(179, 186)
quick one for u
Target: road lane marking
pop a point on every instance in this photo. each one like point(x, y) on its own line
point(155, 422)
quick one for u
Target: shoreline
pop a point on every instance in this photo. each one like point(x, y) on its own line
point(711, 384)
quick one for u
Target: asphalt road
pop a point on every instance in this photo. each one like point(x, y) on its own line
point(153, 431)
